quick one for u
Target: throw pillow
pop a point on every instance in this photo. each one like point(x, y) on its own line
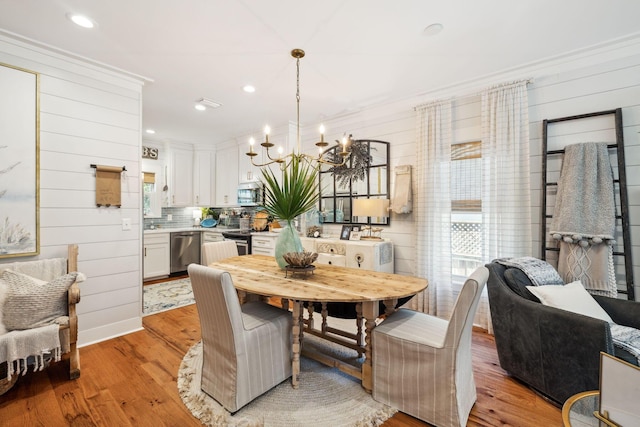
point(571, 297)
point(31, 303)
point(518, 282)
point(3, 295)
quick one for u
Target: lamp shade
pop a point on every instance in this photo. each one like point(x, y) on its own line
point(371, 207)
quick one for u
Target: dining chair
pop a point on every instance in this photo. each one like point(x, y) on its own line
point(215, 251)
point(422, 363)
point(246, 348)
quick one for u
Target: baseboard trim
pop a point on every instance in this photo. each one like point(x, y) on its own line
point(110, 331)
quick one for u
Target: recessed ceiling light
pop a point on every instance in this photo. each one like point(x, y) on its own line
point(200, 107)
point(249, 89)
point(81, 20)
point(433, 29)
point(150, 131)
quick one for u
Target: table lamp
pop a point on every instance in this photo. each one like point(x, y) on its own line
point(197, 216)
point(371, 208)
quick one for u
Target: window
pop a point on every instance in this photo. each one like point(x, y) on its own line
point(151, 198)
point(466, 209)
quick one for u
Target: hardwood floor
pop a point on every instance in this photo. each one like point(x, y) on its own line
point(131, 381)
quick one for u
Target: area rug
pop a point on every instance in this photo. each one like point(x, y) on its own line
point(325, 397)
point(167, 295)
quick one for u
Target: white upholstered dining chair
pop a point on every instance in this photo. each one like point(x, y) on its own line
point(422, 364)
point(215, 251)
point(246, 348)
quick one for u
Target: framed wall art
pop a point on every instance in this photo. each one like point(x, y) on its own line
point(19, 162)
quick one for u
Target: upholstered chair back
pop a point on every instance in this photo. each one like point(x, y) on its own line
point(215, 251)
point(246, 349)
point(422, 363)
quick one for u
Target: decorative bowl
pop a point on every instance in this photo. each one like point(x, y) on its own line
point(300, 259)
point(208, 223)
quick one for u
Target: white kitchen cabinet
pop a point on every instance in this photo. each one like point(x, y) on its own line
point(204, 178)
point(247, 172)
point(181, 189)
point(263, 244)
point(156, 255)
point(226, 177)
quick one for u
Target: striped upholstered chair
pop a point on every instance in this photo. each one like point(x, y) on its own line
point(215, 251)
point(422, 364)
point(246, 349)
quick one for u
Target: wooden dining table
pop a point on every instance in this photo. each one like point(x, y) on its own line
point(260, 275)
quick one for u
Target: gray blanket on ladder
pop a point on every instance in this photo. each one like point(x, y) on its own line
point(584, 218)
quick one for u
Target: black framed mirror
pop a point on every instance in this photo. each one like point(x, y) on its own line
point(365, 175)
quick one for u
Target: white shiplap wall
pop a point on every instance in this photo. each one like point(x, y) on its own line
point(603, 78)
point(89, 114)
point(597, 87)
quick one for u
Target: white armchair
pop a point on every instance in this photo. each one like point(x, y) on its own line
point(422, 364)
point(246, 348)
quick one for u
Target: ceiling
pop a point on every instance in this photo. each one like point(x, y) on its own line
point(358, 52)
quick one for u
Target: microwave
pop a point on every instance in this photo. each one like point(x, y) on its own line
point(250, 194)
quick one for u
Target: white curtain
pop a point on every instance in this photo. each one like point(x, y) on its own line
point(506, 204)
point(433, 208)
point(506, 208)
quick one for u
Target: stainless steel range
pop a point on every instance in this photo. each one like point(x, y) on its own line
point(242, 239)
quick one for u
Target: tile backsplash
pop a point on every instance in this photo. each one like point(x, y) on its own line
point(183, 217)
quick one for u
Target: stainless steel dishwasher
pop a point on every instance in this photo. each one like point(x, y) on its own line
point(185, 249)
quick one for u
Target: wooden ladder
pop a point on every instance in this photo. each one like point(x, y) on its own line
point(621, 182)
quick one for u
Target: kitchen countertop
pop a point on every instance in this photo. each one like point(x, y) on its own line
point(179, 229)
point(214, 229)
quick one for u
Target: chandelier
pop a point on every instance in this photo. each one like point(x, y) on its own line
point(284, 161)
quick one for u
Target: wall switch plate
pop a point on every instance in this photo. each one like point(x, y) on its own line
point(169, 217)
point(126, 224)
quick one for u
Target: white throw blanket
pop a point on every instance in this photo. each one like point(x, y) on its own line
point(540, 272)
point(584, 218)
point(17, 346)
point(627, 339)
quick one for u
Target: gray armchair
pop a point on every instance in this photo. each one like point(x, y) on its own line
point(246, 348)
point(556, 352)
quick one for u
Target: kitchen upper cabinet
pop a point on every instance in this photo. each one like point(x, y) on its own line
point(226, 177)
point(181, 189)
point(246, 171)
point(204, 178)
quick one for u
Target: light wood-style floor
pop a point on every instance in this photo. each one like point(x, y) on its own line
point(131, 381)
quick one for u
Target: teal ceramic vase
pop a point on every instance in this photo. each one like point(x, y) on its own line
point(287, 241)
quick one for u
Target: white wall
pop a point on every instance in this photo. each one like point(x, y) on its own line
point(600, 79)
point(89, 114)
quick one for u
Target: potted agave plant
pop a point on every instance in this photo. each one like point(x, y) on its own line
point(287, 198)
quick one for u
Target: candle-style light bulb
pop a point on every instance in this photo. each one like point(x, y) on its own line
point(251, 143)
point(321, 133)
point(280, 151)
point(267, 131)
point(344, 144)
